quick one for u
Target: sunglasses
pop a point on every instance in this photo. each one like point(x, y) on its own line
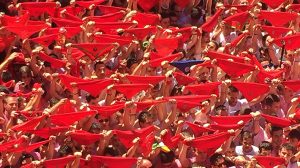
point(103, 120)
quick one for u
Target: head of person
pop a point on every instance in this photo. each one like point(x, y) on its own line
point(167, 158)
point(26, 159)
point(145, 119)
point(287, 151)
point(271, 104)
point(247, 141)
point(294, 137)
point(211, 46)
point(103, 122)
point(25, 75)
point(11, 104)
point(276, 135)
point(221, 110)
point(217, 161)
point(265, 148)
point(165, 20)
point(203, 75)
point(99, 69)
point(230, 152)
point(92, 100)
point(233, 95)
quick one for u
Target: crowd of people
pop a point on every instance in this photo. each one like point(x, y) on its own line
point(149, 83)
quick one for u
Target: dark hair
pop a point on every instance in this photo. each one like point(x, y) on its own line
point(265, 145)
point(247, 134)
point(110, 151)
point(270, 99)
point(89, 98)
point(214, 158)
point(232, 89)
point(65, 150)
point(98, 63)
point(294, 133)
point(6, 76)
point(167, 157)
point(288, 146)
point(275, 128)
point(143, 116)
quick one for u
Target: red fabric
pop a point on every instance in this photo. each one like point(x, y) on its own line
point(144, 19)
point(45, 40)
point(231, 120)
point(239, 18)
point(14, 21)
point(237, 40)
point(38, 8)
point(29, 125)
point(107, 111)
point(255, 89)
point(65, 108)
point(105, 39)
point(157, 62)
point(109, 9)
point(10, 144)
point(205, 89)
point(26, 31)
point(111, 17)
point(210, 24)
point(141, 33)
point(129, 90)
point(218, 55)
point(145, 104)
point(69, 118)
point(198, 129)
point(273, 3)
point(69, 16)
point(146, 5)
point(295, 7)
point(171, 141)
point(58, 163)
point(182, 3)
point(183, 79)
point(9, 84)
point(146, 145)
point(65, 22)
point(277, 18)
point(95, 87)
point(5, 42)
point(20, 94)
point(206, 142)
point(291, 42)
point(276, 32)
point(166, 46)
point(87, 4)
point(47, 132)
point(126, 137)
point(70, 31)
point(154, 80)
point(292, 84)
point(185, 106)
point(68, 79)
point(112, 162)
point(234, 69)
point(111, 27)
point(55, 63)
point(269, 161)
point(225, 128)
point(190, 98)
point(28, 148)
point(94, 50)
point(273, 74)
point(186, 33)
point(276, 121)
point(85, 138)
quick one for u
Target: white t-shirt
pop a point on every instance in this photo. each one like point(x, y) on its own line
point(241, 104)
point(239, 151)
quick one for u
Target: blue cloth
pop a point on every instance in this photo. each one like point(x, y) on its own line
point(185, 65)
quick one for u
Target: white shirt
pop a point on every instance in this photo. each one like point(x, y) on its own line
point(241, 104)
point(239, 151)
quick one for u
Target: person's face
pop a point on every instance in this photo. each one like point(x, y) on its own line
point(26, 78)
point(147, 123)
point(265, 152)
point(173, 20)
point(11, 104)
point(100, 71)
point(211, 46)
point(275, 106)
point(286, 154)
point(204, 75)
point(232, 98)
point(247, 144)
point(165, 22)
point(277, 138)
point(230, 152)
point(104, 123)
point(220, 163)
